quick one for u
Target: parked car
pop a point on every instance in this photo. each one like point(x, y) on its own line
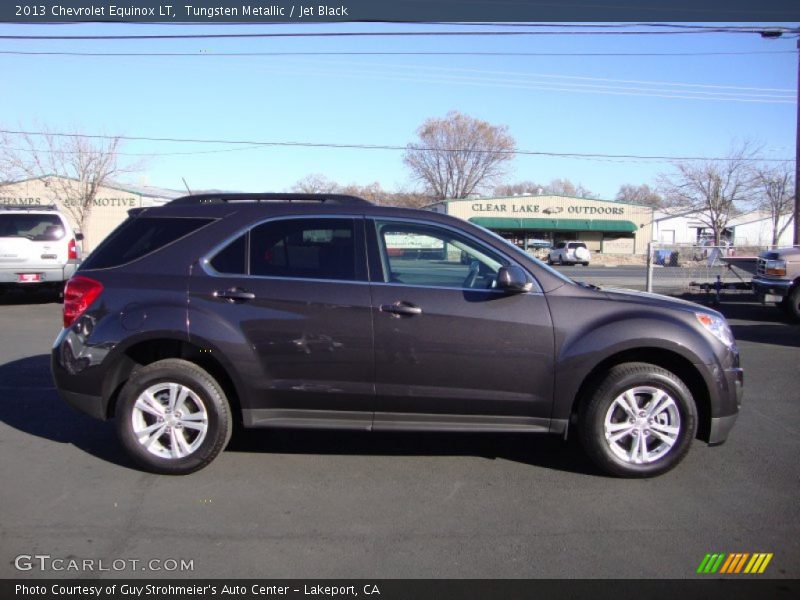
point(38, 248)
point(778, 279)
point(707, 249)
point(569, 253)
point(292, 310)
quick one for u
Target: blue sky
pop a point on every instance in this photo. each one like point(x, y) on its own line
point(591, 104)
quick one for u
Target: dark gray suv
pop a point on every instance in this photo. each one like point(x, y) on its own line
point(286, 310)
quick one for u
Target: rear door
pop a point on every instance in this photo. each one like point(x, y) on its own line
point(288, 304)
point(451, 350)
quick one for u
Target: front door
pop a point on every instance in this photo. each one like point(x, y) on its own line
point(451, 350)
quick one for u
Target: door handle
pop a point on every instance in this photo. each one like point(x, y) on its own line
point(235, 295)
point(401, 309)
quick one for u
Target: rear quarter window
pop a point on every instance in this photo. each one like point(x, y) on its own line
point(138, 237)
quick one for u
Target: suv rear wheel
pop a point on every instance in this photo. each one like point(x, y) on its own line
point(639, 422)
point(172, 417)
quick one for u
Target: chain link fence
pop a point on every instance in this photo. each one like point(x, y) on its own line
point(695, 268)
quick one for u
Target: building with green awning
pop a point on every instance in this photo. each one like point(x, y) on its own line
point(606, 226)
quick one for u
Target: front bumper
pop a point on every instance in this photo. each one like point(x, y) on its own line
point(771, 290)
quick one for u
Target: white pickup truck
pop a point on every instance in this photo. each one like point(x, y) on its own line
point(778, 279)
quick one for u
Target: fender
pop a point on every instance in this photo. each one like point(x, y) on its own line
point(579, 352)
point(228, 346)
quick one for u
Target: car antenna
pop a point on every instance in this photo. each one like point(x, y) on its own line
point(187, 185)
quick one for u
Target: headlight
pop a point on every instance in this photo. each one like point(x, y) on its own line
point(775, 267)
point(718, 327)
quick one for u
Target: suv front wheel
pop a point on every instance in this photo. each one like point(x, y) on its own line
point(172, 417)
point(639, 422)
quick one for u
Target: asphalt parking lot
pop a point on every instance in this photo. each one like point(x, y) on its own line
point(329, 505)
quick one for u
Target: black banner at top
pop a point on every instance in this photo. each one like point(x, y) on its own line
point(306, 11)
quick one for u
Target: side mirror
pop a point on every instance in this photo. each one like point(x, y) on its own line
point(513, 279)
point(79, 237)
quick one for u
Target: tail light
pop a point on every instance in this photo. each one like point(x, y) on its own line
point(79, 293)
point(72, 250)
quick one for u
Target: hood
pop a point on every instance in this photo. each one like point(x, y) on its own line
point(656, 300)
point(789, 254)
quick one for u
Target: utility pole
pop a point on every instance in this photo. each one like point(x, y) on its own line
point(771, 35)
point(797, 158)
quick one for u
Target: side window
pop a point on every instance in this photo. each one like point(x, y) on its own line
point(138, 237)
point(304, 248)
point(560, 245)
point(231, 259)
point(423, 255)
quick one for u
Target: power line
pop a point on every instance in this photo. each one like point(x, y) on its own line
point(347, 34)
point(750, 28)
point(519, 81)
point(432, 53)
point(34, 150)
point(550, 76)
point(386, 147)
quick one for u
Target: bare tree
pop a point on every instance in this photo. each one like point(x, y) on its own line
point(776, 196)
point(519, 188)
point(409, 199)
point(458, 154)
point(315, 184)
point(557, 187)
point(564, 187)
point(640, 194)
point(81, 166)
point(711, 189)
point(319, 184)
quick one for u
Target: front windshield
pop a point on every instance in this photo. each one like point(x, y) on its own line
point(519, 250)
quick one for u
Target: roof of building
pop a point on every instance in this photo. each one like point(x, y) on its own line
point(141, 190)
point(529, 196)
point(753, 217)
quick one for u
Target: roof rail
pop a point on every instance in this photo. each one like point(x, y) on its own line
point(267, 197)
point(28, 207)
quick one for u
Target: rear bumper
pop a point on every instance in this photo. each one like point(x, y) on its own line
point(48, 275)
point(78, 385)
point(85, 403)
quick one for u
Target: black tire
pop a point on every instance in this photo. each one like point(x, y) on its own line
point(204, 395)
point(791, 304)
point(592, 415)
point(586, 264)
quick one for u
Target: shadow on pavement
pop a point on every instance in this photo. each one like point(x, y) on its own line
point(539, 450)
point(775, 335)
point(768, 324)
point(30, 296)
point(30, 403)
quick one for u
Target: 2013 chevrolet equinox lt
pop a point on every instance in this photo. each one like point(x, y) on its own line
point(287, 310)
